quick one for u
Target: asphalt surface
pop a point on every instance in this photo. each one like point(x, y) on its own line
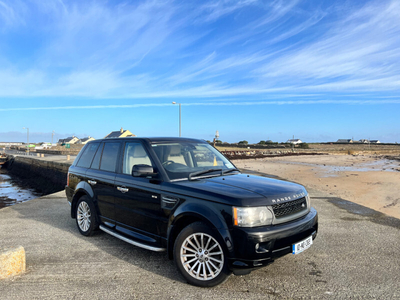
point(356, 255)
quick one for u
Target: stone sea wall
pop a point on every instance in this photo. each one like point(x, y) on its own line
point(45, 175)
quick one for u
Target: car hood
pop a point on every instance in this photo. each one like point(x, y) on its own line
point(242, 190)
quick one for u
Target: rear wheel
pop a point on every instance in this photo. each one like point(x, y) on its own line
point(200, 257)
point(86, 216)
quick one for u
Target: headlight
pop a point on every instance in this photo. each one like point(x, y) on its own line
point(252, 216)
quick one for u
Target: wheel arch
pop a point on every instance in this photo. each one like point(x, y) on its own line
point(188, 214)
point(82, 189)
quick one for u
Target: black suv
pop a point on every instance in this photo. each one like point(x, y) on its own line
point(183, 196)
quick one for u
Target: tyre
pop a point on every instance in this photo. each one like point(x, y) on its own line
point(200, 257)
point(86, 216)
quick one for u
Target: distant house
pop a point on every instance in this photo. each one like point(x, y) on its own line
point(68, 140)
point(375, 142)
point(119, 134)
point(85, 140)
point(294, 141)
point(345, 141)
point(364, 141)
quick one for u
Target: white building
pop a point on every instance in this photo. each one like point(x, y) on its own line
point(68, 140)
point(85, 140)
point(294, 141)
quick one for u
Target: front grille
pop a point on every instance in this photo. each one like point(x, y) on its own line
point(288, 208)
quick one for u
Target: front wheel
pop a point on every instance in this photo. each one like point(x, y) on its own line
point(200, 257)
point(86, 216)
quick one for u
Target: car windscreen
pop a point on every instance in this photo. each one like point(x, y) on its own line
point(186, 160)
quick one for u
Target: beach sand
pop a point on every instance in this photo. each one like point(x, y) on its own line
point(366, 180)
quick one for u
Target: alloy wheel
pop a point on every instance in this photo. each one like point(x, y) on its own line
point(202, 256)
point(84, 216)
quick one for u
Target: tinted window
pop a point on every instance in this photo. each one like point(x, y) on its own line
point(134, 154)
point(96, 160)
point(109, 157)
point(87, 156)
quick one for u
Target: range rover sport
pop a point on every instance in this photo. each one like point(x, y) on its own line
point(182, 196)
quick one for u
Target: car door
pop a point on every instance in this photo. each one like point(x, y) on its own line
point(101, 177)
point(82, 163)
point(137, 199)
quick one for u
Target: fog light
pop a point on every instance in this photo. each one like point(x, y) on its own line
point(262, 247)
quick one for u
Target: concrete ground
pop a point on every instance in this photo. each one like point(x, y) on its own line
point(356, 255)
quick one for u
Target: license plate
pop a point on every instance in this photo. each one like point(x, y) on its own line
point(301, 246)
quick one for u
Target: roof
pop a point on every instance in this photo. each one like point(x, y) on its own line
point(86, 139)
point(119, 133)
point(68, 139)
point(155, 140)
point(114, 134)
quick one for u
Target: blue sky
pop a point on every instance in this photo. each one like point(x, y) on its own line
point(253, 70)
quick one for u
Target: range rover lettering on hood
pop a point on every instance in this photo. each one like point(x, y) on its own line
point(289, 198)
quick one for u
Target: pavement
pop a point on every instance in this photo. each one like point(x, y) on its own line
point(356, 255)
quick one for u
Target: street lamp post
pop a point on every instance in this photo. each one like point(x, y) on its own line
point(180, 118)
point(27, 137)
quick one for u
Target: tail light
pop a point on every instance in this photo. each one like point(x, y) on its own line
point(68, 179)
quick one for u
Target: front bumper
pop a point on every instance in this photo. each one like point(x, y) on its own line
point(257, 247)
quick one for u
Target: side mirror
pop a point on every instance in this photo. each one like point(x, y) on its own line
point(142, 171)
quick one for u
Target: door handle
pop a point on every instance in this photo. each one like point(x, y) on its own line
point(122, 189)
point(92, 182)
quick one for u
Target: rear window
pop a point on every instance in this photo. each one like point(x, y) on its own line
point(109, 157)
point(87, 155)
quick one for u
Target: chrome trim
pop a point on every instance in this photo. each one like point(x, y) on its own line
point(118, 236)
point(122, 189)
point(169, 199)
point(168, 202)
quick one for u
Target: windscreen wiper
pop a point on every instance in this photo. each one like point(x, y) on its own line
point(230, 170)
point(202, 172)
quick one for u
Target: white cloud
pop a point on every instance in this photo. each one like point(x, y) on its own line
point(362, 51)
point(227, 103)
point(11, 14)
point(214, 10)
point(153, 49)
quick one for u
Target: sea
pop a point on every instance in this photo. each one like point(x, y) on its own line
point(13, 191)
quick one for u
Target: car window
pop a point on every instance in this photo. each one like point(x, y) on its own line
point(204, 158)
point(87, 156)
point(96, 160)
point(134, 154)
point(109, 157)
point(181, 159)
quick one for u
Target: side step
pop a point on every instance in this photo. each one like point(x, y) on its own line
point(125, 239)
